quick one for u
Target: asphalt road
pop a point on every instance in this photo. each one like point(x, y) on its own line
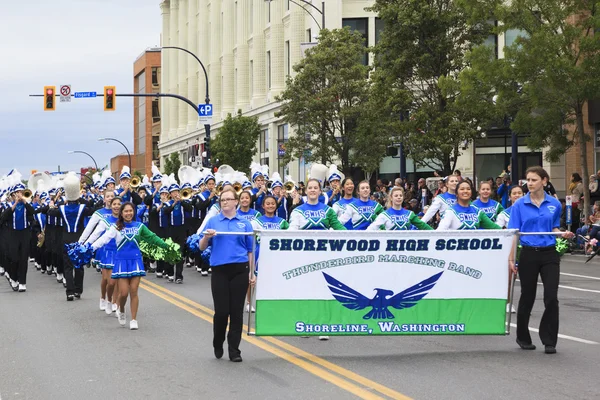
point(53, 349)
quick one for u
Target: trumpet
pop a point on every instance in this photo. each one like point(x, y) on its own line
point(187, 194)
point(219, 188)
point(135, 182)
point(269, 184)
point(27, 195)
point(289, 187)
point(237, 186)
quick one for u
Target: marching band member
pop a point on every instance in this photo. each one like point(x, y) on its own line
point(396, 218)
point(334, 177)
point(489, 206)
point(314, 215)
point(108, 182)
point(232, 262)
point(54, 233)
point(125, 191)
point(176, 209)
point(19, 215)
point(537, 212)
point(443, 201)
point(3, 231)
point(362, 211)
point(463, 215)
point(42, 255)
point(260, 189)
point(129, 266)
point(142, 209)
point(101, 221)
point(72, 214)
point(285, 201)
point(158, 214)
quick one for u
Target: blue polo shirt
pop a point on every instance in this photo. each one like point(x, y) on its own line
point(228, 249)
point(527, 217)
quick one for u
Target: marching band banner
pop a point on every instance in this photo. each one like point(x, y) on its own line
point(382, 283)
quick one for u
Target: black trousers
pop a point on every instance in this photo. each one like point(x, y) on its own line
point(546, 263)
point(177, 234)
point(19, 257)
point(161, 266)
point(73, 276)
point(229, 284)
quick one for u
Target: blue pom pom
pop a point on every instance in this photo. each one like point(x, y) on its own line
point(206, 255)
point(79, 254)
point(193, 243)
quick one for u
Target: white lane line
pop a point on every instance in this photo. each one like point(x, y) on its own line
point(581, 276)
point(570, 288)
point(567, 337)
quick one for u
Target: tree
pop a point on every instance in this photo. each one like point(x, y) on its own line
point(548, 73)
point(325, 103)
point(416, 80)
point(172, 164)
point(235, 144)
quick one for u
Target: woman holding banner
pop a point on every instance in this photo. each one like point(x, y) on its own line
point(396, 218)
point(232, 263)
point(537, 212)
point(463, 215)
point(314, 215)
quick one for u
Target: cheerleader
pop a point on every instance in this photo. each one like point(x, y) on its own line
point(128, 263)
point(362, 211)
point(514, 194)
point(105, 257)
point(490, 207)
point(245, 211)
point(443, 201)
point(396, 218)
point(463, 215)
point(347, 197)
point(314, 215)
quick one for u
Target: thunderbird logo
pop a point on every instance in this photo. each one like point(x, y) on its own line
point(383, 299)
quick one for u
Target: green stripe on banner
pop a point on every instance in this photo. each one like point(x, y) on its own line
point(428, 317)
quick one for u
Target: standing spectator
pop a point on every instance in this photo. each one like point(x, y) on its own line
point(459, 175)
point(441, 187)
point(502, 190)
point(422, 186)
point(576, 192)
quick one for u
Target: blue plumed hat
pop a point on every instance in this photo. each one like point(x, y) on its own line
point(125, 173)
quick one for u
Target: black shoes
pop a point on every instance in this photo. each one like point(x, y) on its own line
point(77, 295)
point(70, 297)
point(237, 358)
point(525, 346)
point(179, 281)
point(550, 350)
point(218, 353)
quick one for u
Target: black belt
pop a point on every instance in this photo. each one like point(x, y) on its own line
point(534, 248)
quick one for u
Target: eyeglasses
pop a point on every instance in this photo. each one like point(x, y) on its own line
point(226, 200)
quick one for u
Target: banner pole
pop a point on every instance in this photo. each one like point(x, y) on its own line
point(512, 285)
point(252, 288)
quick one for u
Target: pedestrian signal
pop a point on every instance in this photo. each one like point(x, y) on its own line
point(109, 98)
point(49, 100)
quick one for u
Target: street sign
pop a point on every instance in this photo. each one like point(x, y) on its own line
point(83, 95)
point(205, 113)
point(65, 93)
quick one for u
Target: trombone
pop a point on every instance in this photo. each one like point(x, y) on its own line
point(187, 194)
point(289, 187)
point(27, 195)
point(237, 186)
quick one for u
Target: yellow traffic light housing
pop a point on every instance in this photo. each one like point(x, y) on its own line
point(110, 95)
point(49, 98)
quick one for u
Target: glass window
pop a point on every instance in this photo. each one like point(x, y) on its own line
point(282, 138)
point(287, 58)
point(154, 76)
point(141, 114)
point(511, 35)
point(361, 25)
point(309, 35)
point(269, 11)
point(264, 141)
point(155, 111)
point(264, 161)
point(379, 25)
point(251, 79)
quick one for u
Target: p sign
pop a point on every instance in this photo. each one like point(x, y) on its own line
point(205, 112)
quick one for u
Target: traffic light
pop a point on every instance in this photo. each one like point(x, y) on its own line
point(109, 98)
point(49, 100)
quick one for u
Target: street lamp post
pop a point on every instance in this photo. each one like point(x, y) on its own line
point(122, 144)
point(308, 3)
point(88, 154)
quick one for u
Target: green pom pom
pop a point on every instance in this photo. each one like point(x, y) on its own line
point(562, 245)
point(171, 255)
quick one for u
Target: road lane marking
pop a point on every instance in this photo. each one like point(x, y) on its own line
point(295, 350)
point(569, 287)
point(581, 276)
point(567, 337)
point(319, 372)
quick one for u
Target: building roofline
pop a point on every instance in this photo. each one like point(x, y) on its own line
point(148, 50)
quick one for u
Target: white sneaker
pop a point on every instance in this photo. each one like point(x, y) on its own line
point(14, 285)
point(38, 266)
point(102, 304)
point(204, 273)
point(2, 271)
point(159, 274)
point(171, 279)
point(122, 318)
point(59, 278)
point(199, 269)
point(323, 337)
point(22, 288)
point(108, 307)
point(511, 309)
point(31, 259)
point(250, 308)
point(133, 325)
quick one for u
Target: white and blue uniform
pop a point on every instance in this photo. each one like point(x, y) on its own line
point(314, 217)
point(249, 215)
point(340, 208)
point(397, 220)
point(491, 208)
point(361, 213)
point(458, 217)
point(504, 217)
point(105, 256)
point(440, 203)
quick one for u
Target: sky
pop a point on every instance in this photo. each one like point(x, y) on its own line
point(88, 44)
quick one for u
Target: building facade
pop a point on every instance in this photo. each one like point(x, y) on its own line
point(146, 111)
point(248, 48)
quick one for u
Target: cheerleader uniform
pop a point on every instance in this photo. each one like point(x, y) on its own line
point(440, 203)
point(249, 215)
point(105, 256)
point(398, 220)
point(491, 208)
point(267, 224)
point(314, 217)
point(361, 214)
point(99, 218)
point(465, 218)
point(128, 257)
point(340, 208)
point(504, 217)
